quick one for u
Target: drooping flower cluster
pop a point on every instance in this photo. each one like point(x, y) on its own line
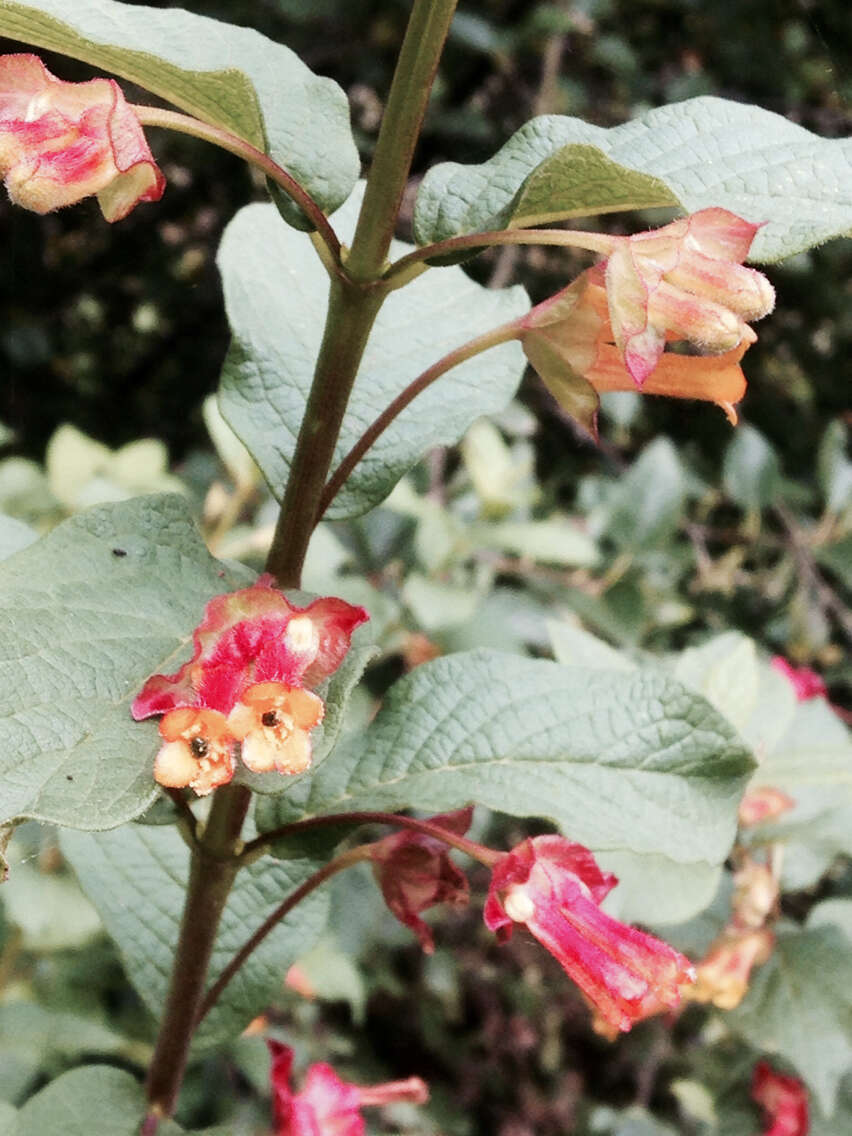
point(684, 282)
point(783, 1099)
point(327, 1105)
point(61, 142)
point(247, 688)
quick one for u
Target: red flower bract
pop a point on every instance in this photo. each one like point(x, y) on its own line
point(251, 636)
point(244, 687)
point(61, 142)
point(327, 1105)
point(415, 872)
point(784, 1100)
point(554, 887)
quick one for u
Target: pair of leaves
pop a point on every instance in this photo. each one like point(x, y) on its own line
point(695, 154)
point(229, 76)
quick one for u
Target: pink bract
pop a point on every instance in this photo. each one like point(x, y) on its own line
point(61, 142)
point(252, 636)
point(554, 887)
point(415, 872)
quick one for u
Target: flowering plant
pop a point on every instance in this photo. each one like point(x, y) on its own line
point(328, 688)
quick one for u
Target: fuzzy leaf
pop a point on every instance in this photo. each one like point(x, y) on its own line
point(621, 760)
point(230, 76)
point(276, 293)
point(136, 877)
point(86, 614)
point(94, 1100)
point(698, 153)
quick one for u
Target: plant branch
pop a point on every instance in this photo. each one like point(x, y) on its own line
point(346, 860)
point(407, 100)
point(503, 334)
point(471, 848)
point(186, 124)
point(257, 847)
point(412, 264)
point(213, 867)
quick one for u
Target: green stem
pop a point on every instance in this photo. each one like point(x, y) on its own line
point(213, 866)
point(411, 265)
point(354, 301)
point(351, 313)
point(406, 106)
point(503, 334)
point(186, 124)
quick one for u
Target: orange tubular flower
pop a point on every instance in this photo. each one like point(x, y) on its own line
point(198, 750)
point(570, 342)
point(555, 887)
point(723, 975)
point(61, 142)
point(273, 721)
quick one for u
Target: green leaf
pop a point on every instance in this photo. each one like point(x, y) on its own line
point(552, 541)
point(276, 293)
point(14, 535)
point(87, 614)
point(48, 907)
point(800, 1006)
point(646, 507)
point(34, 1031)
point(834, 469)
point(697, 153)
point(750, 470)
point(136, 877)
point(619, 759)
point(229, 76)
point(574, 646)
point(8, 1119)
point(95, 1100)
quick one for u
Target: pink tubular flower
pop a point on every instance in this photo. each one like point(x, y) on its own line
point(328, 1106)
point(554, 886)
point(784, 1100)
point(244, 687)
point(684, 281)
point(61, 142)
point(806, 683)
point(415, 872)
